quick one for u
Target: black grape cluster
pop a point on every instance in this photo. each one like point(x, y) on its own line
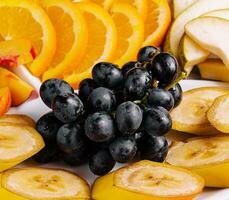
point(117, 116)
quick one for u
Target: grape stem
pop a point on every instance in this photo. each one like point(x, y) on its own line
point(183, 75)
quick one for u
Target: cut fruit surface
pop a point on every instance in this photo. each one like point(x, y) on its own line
point(214, 70)
point(148, 180)
point(49, 184)
point(71, 34)
point(190, 54)
point(104, 3)
point(20, 90)
point(5, 100)
point(218, 114)
point(101, 41)
point(18, 119)
point(200, 30)
point(25, 19)
point(18, 143)
point(140, 5)
point(180, 5)
point(206, 156)
point(157, 22)
point(197, 9)
point(191, 115)
point(130, 29)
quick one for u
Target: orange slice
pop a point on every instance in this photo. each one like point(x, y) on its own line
point(157, 22)
point(24, 19)
point(130, 27)
point(72, 36)
point(101, 41)
point(104, 3)
point(140, 5)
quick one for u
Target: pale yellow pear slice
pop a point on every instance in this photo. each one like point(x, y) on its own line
point(180, 5)
point(197, 9)
point(190, 54)
point(208, 157)
point(210, 33)
point(214, 69)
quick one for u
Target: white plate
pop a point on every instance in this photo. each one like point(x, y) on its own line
point(36, 108)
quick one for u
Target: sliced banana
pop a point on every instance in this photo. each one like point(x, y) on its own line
point(218, 114)
point(148, 180)
point(18, 119)
point(17, 143)
point(191, 115)
point(45, 184)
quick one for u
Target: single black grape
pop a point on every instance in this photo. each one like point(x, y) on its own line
point(129, 66)
point(128, 117)
point(164, 68)
point(177, 93)
point(101, 163)
point(154, 148)
point(67, 108)
point(123, 149)
point(53, 87)
point(137, 83)
point(160, 97)
point(102, 100)
point(147, 53)
point(71, 138)
point(157, 121)
point(48, 154)
point(48, 126)
point(107, 75)
point(85, 89)
point(99, 127)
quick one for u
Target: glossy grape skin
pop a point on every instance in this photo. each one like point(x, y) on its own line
point(129, 66)
point(154, 148)
point(128, 117)
point(147, 53)
point(101, 100)
point(85, 89)
point(123, 149)
point(160, 97)
point(67, 108)
point(137, 83)
point(157, 121)
point(48, 126)
point(48, 154)
point(177, 94)
point(164, 68)
point(107, 75)
point(70, 138)
point(53, 87)
point(99, 127)
point(101, 163)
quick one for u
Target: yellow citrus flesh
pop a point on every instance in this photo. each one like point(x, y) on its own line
point(130, 28)
point(26, 20)
point(157, 22)
point(104, 3)
point(72, 36)
point(101, 41)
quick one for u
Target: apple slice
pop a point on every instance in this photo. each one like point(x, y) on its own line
point(201, 31)
point(214, 70)
point(146, 180)
point(190, 54)
point(206, 156)
point(5, 100)
point(180, 5)
point(197, 9)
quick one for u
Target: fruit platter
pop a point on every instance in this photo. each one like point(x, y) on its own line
point(114, 99)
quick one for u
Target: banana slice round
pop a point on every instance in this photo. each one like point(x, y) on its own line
point(148, 180)
point(48, 184)
point(218, 114)
point(18, 119)
point(191, 115)
point(207, 156)
point(17, 143)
